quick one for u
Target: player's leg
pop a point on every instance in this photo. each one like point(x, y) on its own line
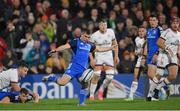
point(60, 81)
point(94, 81)
point(69, 73)
point(83, 93)
point(109, 76)
point(109, 68)
point(134, 84)
point(172, 70)
point(153, 81)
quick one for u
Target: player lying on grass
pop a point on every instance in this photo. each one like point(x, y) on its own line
point(139, 51)
point(81, 48)
point(21, 96)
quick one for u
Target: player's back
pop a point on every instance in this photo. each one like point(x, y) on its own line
point(152, 36)
point(8, 76)
point(11, 95)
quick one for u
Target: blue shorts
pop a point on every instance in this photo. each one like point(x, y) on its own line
point(74, 70)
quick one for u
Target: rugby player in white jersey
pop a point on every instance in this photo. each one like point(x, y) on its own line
point(104, 37)
point(169, 43)
point(10, 77)
point(140, 42)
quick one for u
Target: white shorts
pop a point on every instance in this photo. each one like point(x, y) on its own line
point(104, 59)
point(164, 59)
point(138, 63)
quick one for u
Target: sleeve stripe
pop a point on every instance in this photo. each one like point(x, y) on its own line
point(14, 82)
point(162, 38)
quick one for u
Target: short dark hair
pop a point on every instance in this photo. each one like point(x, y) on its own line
point(103, 21)
point(22, 64)
point(174, 19)
point(153, 15)
point(24, 90)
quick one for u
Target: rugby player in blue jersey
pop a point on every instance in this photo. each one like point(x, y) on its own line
point(21, 96)
point(153, 34)
point(81, 48)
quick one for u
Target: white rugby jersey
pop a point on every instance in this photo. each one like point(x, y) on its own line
point(8, 76)
point(103, 39)
point(139, 44)
point(171, 38)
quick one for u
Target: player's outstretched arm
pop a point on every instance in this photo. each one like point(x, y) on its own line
point(5, 100)
point(60, 48)
point(104, 49)
point(15, 87)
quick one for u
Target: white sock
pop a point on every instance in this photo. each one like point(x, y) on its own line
point(163, 82)
point(92, 89)
point(105, 83)
point(133, 89)
point(152, 85)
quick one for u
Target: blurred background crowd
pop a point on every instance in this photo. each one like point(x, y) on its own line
point(31, 28)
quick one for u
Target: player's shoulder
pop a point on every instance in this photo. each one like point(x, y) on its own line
point(160, 28)
point(168, 30)
point(110, 30)
point(137, 38)
point(95, 33)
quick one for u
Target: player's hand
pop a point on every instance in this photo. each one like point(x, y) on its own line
point(169, 50)
point(93, 63)
point(36, 97)
point(114, 46)
point(51, 52)
point(116, 60)
point(154, 59)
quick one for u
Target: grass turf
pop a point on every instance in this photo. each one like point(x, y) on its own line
point(107, 104)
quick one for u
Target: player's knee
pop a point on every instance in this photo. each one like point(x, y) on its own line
point(109, 77)
point(95, 79)
point(61, 82)
point(110, 72)
point(97, 73)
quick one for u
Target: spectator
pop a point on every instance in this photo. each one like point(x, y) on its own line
point(62, 27)
point(57, 63)
point(126, 65)
point(3, 47)
point(29, 42)
point(9, 59)
point(36, 55)
point(48, 28)
point(94, 17)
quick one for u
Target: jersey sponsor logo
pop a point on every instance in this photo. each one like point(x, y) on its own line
point(151, 36)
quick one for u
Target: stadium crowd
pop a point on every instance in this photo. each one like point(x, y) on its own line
point(29, 29)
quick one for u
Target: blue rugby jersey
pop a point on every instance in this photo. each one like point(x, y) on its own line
point(153, 35)
point(81, 50)
point(12, 95)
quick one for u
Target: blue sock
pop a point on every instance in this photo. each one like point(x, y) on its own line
point(82, 96)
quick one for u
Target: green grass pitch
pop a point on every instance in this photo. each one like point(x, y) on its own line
point(106, 104)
